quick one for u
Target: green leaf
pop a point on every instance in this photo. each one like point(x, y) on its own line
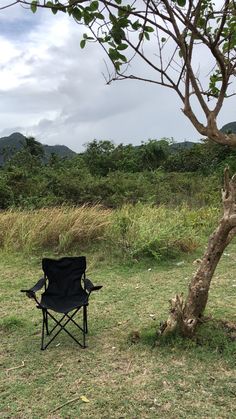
point(163, 39)
point(123, 22)
point(94, 6)
point(121, 47)
point(99, 16)
point(146, 34)
point(118, 1)
point(141, 36)
point(201, 22)
point(61, 7)
point(122, 57)
point(117, 34)
point(82, 43)
point(148, 29)
point(111, 44)
point(113, 54)
point(112, 18)
point(117, 65)
point(122, 12)
point(33, 6)
point(77, 14)
point(107, 38)
point(181, 3)
point(136, 25)
point(88, 17)
point(52, 7)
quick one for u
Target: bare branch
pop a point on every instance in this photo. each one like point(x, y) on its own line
point(9, 5)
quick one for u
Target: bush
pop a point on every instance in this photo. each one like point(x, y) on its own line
point(6, 195)
point(158, 232)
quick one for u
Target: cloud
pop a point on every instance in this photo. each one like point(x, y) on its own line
point(52, 89)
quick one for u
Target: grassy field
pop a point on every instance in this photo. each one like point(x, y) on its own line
point(131, 232)
point(121, 377)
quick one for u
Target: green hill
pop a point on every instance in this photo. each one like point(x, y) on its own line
point(184, 145)
point(229, 128)
point(14, 142)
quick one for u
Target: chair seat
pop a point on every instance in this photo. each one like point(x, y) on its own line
point(64, 304)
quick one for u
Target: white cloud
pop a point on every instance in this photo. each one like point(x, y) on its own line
point(52, 89)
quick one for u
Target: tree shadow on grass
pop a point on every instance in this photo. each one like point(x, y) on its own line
point(213, 339)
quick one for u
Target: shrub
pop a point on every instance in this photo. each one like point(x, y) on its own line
point(160, 232)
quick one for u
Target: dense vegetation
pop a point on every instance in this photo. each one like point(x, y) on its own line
point(156, 172)
point(132, 232)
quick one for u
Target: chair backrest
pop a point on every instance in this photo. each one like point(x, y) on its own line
point(64, 275)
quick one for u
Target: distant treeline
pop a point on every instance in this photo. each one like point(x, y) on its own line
point(156, 172)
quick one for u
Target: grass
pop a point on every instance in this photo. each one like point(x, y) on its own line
point(125, 372)
point(58, 228)
point(130, 232)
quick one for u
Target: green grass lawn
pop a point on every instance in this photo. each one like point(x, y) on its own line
point(121, 379)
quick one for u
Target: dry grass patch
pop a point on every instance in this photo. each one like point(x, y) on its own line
point(52, 228)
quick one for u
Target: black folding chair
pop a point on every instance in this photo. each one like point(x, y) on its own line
point(63, 293)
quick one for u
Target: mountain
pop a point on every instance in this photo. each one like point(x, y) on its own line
point(229, 128)
point(14, 142)
point(185, 145)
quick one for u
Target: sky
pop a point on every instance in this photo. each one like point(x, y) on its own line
point(53, 90)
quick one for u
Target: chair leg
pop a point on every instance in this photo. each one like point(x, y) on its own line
point(85, 325)
point(42, 337)
point(58, 324)
point(46, 322)
point(85, 318)
point(46, 314)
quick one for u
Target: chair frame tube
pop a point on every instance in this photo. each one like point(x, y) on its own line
point(46, 314)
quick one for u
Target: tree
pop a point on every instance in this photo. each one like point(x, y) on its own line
point(169, 37)
point(6, 195)
point(154, 153)
point(34, 147)
point(98, 157)
point(30, 155)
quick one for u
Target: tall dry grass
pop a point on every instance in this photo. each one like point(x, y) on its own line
point(131, 231)
point(57, 229)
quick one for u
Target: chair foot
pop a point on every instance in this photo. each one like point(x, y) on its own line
point(62, 326)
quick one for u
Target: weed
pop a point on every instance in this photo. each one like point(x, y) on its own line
point(11, 323)
point(158, 232)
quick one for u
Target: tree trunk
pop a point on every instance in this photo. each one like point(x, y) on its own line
point(185, 316)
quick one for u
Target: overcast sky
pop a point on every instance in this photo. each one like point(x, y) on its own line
point(53, 90)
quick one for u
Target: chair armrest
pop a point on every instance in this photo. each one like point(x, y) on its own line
point(90, 287)
point(31, 292)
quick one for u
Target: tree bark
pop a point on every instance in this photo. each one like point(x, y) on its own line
point(185, 316)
